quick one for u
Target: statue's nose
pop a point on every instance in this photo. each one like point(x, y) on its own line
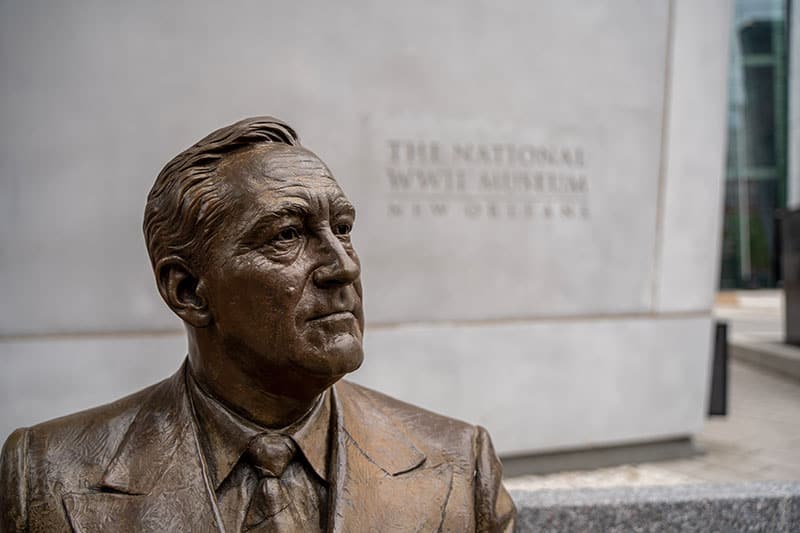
point(340, 267)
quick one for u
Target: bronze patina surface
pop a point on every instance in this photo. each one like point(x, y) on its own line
point(249, 237)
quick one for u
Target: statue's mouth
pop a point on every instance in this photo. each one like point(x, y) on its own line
point(334, 316)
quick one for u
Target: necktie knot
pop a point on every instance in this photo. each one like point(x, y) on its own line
point(270, 453)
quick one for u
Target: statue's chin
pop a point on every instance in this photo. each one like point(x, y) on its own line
point(340, 355)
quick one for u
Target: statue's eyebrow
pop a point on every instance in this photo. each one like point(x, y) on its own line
point(342, 206)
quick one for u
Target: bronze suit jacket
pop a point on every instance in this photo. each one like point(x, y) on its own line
point(136, 465)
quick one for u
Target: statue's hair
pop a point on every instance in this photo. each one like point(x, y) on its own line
point(187, 201)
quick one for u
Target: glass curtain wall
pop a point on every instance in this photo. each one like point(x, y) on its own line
point(755, 185)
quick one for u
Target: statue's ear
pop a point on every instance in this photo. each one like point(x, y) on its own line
point(183, 291)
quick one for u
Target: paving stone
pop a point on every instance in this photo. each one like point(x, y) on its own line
point(771, 507)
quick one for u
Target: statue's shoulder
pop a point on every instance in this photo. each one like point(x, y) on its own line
point(60, 456)
point(110, 418)
point(424, 427)
point(78, 443)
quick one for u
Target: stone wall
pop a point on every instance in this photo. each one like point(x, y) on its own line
point(538, 188)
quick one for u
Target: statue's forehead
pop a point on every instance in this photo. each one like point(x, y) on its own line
point(269, 162)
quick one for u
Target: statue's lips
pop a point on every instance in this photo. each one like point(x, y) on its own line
point(332, 317)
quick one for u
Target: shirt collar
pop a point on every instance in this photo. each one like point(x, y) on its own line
point(225, 434)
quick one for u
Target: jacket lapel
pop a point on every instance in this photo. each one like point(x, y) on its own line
point(381, 481)
point(157, 479)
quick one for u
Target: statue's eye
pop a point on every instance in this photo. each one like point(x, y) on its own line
point(342, 229)
point(287, 234)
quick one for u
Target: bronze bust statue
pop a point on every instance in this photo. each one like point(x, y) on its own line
point(249, 237)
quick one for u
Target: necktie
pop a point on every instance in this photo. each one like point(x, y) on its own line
point(269, 454)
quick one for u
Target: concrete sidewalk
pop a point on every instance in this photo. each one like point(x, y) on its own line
point(759, 440)
point(752, 316)
point(756, 330)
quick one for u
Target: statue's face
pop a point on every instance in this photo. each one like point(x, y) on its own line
point(283, 280)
